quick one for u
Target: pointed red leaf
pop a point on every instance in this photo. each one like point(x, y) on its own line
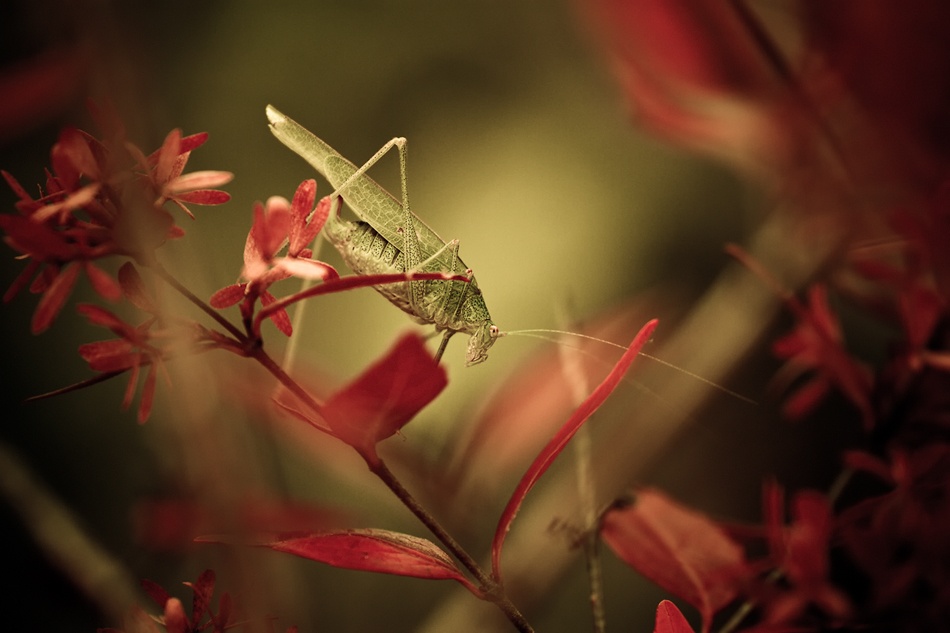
point(307, 268)
point(280, 318)
point(53, 299)
point(553, 448)
point(102, 282)
point(385, 396)
point(380, 551)
point(303, 232)
point(167, 157)
point(207, 197)
point(679, 549)
point(192, 142)
point(227, 296)
point(670, 620)
point(156, 592)
point(22, 280)
point(203, 589)
point(134, 288)
point(198, 181)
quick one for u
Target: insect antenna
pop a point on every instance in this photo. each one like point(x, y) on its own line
point(540, 334)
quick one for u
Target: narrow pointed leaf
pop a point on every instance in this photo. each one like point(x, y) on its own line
point(103, 283)
point(380, 551)
point(669, 619)
point(54, 298)
point(227, 296)
point(548, 454)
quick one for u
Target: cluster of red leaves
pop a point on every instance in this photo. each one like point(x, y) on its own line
point(703, 563)
point(872, 82)
point(102, 197)
point(277, 223)
point(175, 620)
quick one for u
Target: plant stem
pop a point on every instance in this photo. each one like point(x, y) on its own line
point(284, 378)
point(201, 305)
point(492, 591)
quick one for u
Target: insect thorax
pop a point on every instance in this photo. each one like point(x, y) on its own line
point(449, 305)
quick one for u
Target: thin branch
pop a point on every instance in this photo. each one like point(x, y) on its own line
point(492, 591)
point(199, 303)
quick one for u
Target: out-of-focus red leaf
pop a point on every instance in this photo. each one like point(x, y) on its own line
point(156, 592)
point(102, 282)
point(380, 551)
point(171, 524)
point(203, 589)
point(53, 299)
point(134, 288)
point(693, 71)
point(40, 89)
point(385, 396)
point(227, 296)
point(539, 394)
point(548, 454)
point(280, 318)
point(894, 59)
point(680, 550)
point(801, 550)
point(670, 620)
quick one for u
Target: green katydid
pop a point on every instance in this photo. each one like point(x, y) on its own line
point(390, 238)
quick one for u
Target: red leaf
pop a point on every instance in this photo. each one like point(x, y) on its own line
point(156, 592)
point(198, 181)
point(680, 550)
point(192, 142)
point(227, 296)
point(104, 285)
point(280, 318)
point(170, 524)
point(553, 448)
point(540, 393)
point(386, 396)
point(300, 207)
point(379, 551)
point(54, 298)
point(167, 156)
point(102, 317)
point(208, 197)
point(670, 620)
point(203, 589)
point(111, 355)
point(692, 70)
point(22, 280)
point(134, 288)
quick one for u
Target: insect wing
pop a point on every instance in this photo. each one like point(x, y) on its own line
point(367, 198)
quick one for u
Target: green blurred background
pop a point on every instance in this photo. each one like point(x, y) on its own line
point(520, 145)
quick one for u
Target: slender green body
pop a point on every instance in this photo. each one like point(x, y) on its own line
point(390, 238)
